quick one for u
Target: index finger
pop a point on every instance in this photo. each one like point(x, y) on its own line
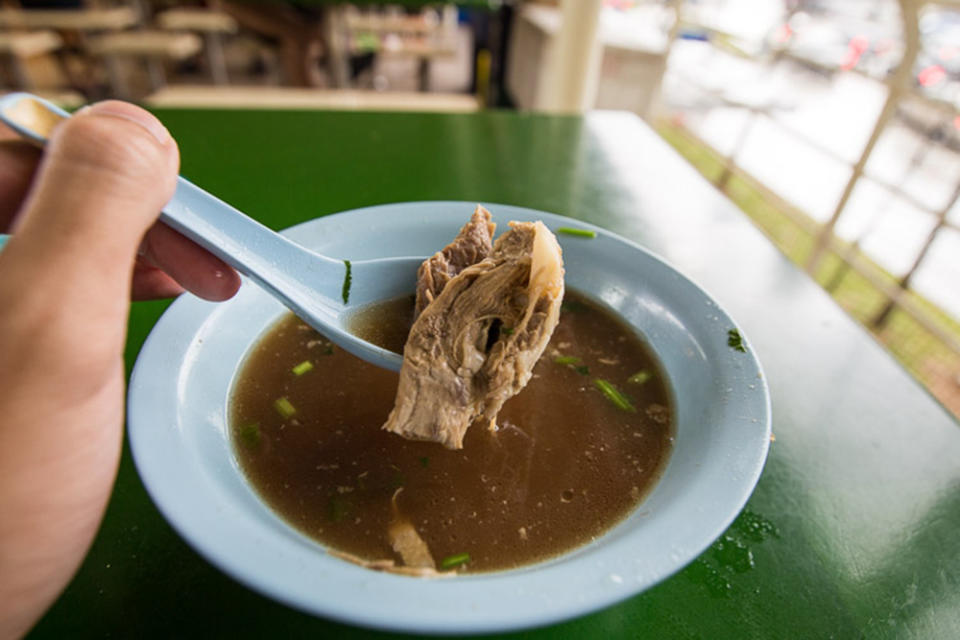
point(18, 164)
point(6, 133)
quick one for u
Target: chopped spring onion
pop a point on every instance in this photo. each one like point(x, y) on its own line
point(583, 233)
point(284, 407)
point(507, 331)
point(249, 435)
point(735, 341)
point(573, 307)
point(397, 480)
point(614, 395)
point(347, 281)
point(640, 377)
point(302, 368)
point(424, 462)
point(338, 508)
point(572, 362)
point(455, 560)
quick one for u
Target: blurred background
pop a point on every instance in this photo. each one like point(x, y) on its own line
point(833, 124)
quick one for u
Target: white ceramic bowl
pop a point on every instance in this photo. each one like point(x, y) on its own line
point(178, 408)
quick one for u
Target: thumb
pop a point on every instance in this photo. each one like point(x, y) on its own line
point(64, 291)
point(105, 175)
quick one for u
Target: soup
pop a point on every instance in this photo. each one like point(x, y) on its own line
point(571, 455)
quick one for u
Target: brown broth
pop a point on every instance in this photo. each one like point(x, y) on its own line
point(565, 465)
point(385, 324)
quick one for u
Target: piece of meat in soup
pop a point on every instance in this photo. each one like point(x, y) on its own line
point(474, 345)
point(472, 244)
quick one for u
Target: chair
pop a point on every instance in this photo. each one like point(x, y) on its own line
point(213, 25)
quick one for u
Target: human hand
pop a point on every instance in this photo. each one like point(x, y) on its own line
point(166, 264)
point(83, 217)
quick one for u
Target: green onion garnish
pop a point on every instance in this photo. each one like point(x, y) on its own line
point(284, 408)
point(583, 233)
point(614, 395)
point(338, 508)
point(329, 350)
point(735, 342)
point(302, 368)
point(397, 480)
point(424, 462)
point(249, 435)
point(573, 307)
point(347, 281)
point(455, 560)
point(572, 362)
point(640, 377)
point(507, 331)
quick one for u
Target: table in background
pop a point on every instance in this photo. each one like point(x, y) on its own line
point(852, 530)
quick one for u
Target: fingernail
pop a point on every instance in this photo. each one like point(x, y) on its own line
point(129, 113)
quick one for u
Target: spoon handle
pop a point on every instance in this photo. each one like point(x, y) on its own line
point(304, 281)
point(271, 260)
point(252, 249)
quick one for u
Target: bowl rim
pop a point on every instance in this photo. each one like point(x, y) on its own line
point(601, 583)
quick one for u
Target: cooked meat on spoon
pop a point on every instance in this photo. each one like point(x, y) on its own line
point(480, 330)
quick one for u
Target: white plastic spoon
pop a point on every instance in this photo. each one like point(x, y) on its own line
point(313, 286)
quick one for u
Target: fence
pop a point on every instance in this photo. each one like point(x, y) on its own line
point(926, 338)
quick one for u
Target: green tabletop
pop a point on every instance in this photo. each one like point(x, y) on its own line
point(853, 528)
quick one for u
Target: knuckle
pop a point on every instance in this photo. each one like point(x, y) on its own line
point(114, 144)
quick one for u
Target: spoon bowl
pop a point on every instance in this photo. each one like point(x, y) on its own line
point(323, 291)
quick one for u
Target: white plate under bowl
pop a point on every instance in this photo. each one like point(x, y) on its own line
point(178, 408)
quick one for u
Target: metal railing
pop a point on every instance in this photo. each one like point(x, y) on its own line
point(899, 88)
point(896, 289)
